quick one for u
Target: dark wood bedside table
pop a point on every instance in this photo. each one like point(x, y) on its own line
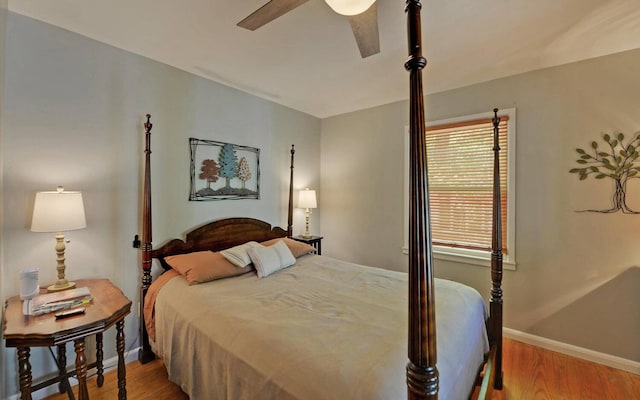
point(109, 307)
point(315, 241)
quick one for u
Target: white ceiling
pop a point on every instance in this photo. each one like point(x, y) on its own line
point(308, 59)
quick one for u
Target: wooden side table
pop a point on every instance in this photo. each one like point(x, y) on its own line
point(315, 241)
point(109, 307)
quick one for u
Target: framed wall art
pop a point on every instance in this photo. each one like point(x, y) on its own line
point(223, 171)
point(617, 160)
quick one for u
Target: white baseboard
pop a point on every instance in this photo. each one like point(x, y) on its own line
point(108, 364)
point(574, 351)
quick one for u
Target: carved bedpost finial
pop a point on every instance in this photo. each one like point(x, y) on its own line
point(415, 61)
point(147, 130)
point(496, 122)
point(148, 125)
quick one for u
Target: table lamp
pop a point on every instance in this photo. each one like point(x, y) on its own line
point(307, 200)
point(58, 212)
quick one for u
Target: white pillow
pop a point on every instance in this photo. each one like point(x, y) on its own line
point(268, 260)
point(238, 255)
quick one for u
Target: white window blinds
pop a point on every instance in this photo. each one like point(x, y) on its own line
point(460, 163)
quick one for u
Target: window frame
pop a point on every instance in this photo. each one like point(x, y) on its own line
point(462, 255)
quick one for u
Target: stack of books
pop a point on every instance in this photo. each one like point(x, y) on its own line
point(50, 302)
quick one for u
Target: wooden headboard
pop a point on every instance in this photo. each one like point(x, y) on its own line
point(219, 235)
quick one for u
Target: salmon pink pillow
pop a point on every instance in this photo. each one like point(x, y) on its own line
point(204, 266)
point(298, 249)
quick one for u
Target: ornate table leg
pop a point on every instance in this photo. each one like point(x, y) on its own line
point(81, 369)
point(99, 356)
point(122, 375)
point(62, 363)
point(25, 373)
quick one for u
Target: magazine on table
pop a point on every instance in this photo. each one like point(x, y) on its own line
point(50, 302)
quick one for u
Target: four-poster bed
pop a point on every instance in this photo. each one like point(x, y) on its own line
point(220, 343)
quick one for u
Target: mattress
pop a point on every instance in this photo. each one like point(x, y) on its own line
point(321, 329)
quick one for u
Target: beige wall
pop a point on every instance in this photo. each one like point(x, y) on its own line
point(74, 114)
point(564, 257)
point(3, 31)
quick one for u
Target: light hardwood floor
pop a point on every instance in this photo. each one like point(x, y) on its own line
point(530, 373)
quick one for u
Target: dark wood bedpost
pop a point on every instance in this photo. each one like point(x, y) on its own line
point(422, 373)
point(495, 304)
point(146, 354)
point(290, 207)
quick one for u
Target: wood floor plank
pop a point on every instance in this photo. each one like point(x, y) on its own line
point(530, 373)
point(148, 381)
point(538, 374)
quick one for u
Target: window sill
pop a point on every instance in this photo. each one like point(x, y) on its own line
point(472, 257)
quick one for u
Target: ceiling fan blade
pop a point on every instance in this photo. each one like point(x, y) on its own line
point(268, 12)
point(365, 29)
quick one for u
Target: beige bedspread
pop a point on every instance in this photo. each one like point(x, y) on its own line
point(322, 329)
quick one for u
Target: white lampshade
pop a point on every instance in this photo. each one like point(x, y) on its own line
point(350, 7)
point(58, 211)
point(307, 199)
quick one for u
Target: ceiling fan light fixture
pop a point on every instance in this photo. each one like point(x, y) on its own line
point(350, 7)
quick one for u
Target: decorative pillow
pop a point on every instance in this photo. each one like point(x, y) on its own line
point(237, 255)
point(298, 249)
point(204, 266)
point(268, 260)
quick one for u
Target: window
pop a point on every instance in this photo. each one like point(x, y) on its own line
point(460, 166)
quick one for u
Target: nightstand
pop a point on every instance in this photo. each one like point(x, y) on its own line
point(315, 241)
point(108, 308)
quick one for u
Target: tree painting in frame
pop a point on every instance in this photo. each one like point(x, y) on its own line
point(223, 171)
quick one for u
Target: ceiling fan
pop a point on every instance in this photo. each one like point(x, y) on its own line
point(363, 17)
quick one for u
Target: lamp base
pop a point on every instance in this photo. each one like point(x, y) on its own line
point(59, 288)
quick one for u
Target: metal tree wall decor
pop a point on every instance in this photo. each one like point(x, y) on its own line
point(616, 161)
point(223, 171)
